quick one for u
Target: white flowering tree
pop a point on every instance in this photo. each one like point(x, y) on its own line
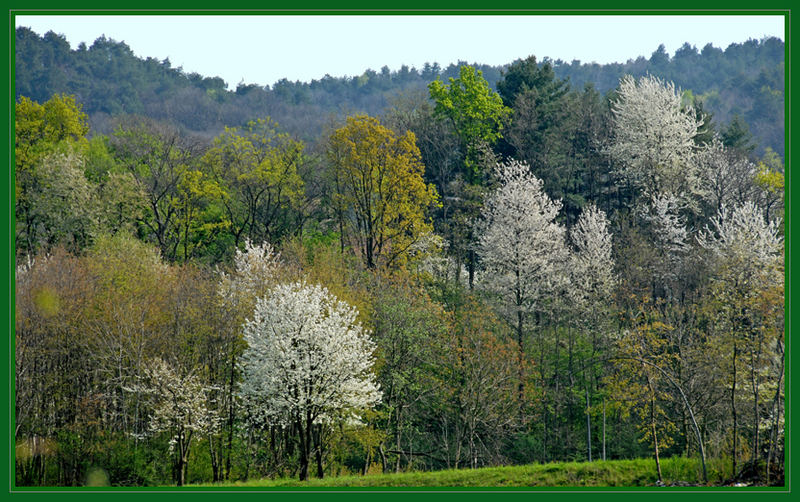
point(181, 406)
point(308, 362)
point(593, 282)
point(593, 266)
point(256, 269)
point(728, 178)
point(747, 255)
point(670, 239)
point(653, 137)
point(521, 246)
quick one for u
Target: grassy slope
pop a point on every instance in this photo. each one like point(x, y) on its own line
point(641, 472)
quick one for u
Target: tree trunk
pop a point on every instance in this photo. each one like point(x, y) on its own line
point(520, 362)
point(653, 429)
point(733, 409)
point(318, 451)
point(231, 412)
point(471, 265)
point(655, 436)
point(773, 436)
point(604, 429)
point(384, 465)
point(754, 358)
point(588, 427)
point(304, 450)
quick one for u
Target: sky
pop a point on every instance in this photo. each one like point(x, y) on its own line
point(264, 49)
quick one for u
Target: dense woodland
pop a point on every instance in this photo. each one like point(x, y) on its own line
point(744, 81)
point(401, 271)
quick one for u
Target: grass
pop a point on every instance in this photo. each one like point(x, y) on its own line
point(640, 472)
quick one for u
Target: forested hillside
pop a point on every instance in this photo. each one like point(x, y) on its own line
point(217, 286)
point(745, 80)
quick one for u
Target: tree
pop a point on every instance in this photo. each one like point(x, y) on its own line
point(180, 407)
point(196, 220)
point(380, 191)
point(526, 74)
point(670, 239)
point(521, 245)
point(653, 137)
point(41, 128)
point(593, 281)
point(60, 205)
point(51, 193)
point(476, 112)
point(478, 381)
point(407, 328)
point(257, 167)
point(157, 156)
point(728, 178)
point(541, 116)
point(637, 385)
point(593, 256)
point(308, 362)
point(746, 254)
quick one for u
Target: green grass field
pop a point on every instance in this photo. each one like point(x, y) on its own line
point(641, 472)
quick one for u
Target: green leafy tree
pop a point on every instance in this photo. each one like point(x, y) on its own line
point(476, 112)
point(194, 202)
point(156, 156)
point(257, 166)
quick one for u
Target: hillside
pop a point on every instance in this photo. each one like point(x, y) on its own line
point(108, 79)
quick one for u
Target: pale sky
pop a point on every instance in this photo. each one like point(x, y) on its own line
point(266, 48)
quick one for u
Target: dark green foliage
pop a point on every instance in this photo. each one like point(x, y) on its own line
point(745, 79)
point(109, 80)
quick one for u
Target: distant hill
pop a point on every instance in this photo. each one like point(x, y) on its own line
point(108, 79)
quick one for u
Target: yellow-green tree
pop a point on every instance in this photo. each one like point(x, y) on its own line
point(638, 384)
point(198, 223)
point(41, 128)
point(380, 195)
point(257, 166)
point(52, 195)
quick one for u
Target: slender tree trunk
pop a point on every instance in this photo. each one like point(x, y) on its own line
point(231, 413)
point(588, 427)
point(604, 429)
point(520, 362)
point(318, 450)
point(367, 462)
point(304, 450)
point(653, 429)
point(773, 436)
point(471, 265)
point(383, 458)
point(399, 449)
point(655, 436)
point(733, 410)
point(754, 358)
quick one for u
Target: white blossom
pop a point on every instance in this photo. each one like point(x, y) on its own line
point(521, 246)
point(254, 273)
point(743, 236)
point(307, 358)
point(668, 225)
point(727, 178)
point(180, 402)
point(593, 270)
point(653, 137)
